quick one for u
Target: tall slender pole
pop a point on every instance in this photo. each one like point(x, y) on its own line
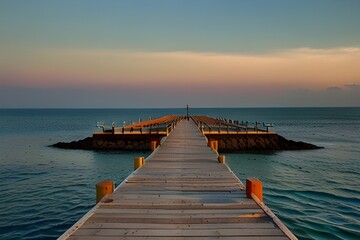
point(187, 112)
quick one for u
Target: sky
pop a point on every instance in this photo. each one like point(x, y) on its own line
point(161, 53)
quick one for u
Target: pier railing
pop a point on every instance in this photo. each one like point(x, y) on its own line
point(206, 125)
point(209, 125)
point(162, 125)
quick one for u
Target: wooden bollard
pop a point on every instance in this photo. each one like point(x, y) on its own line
point(103, 188)
point(153, 145)
point(138, 162)
point(216, 145)
point(221, 159)
point(254, 186)
point(213, 144)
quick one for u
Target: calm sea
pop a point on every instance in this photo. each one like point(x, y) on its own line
point(44, 190)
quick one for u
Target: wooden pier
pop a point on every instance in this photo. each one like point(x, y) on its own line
point(181, 191)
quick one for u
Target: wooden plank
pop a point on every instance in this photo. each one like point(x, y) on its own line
point(196, 195)
point(180, 206)
point(179, 232)
point(238, 193)
point(179, 226)
point(180, 213)
point(244, 219)
point(161, 197)
point(165, 184)
point(175, 238)
point(124, 199)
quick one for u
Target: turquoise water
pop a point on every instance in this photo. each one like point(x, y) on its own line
point(46, 190)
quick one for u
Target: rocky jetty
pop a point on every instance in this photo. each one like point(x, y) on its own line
point(85, 144)
point(258, 142)
point(122, 144)
point(226, 143)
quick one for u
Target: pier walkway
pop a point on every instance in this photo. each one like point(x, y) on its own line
point(180, 192)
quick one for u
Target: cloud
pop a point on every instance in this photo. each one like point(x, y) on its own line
point(333, 89)
point(353, 86)
point(325, 51)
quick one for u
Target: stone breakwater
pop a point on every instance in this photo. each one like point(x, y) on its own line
point(124, 145)
point(119, 142)
point(226, 142)
point(84, 144)
point(258, 142)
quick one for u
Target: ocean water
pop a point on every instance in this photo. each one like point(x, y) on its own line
point(45, 190)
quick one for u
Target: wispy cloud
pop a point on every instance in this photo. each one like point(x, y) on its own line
point(333, 89)
point(353, 86)
point(325, 51)
point(284, 69)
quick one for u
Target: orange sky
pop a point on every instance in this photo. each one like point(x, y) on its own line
point(291, 68)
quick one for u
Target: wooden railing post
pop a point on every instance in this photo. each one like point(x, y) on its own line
point(153, 145)
point(213, 144)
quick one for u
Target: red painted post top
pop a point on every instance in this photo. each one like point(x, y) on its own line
point(254, 185)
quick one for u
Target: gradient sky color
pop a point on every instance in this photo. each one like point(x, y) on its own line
point(172, 53)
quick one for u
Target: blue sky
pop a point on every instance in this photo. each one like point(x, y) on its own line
point(78, 47)
point(211, 26)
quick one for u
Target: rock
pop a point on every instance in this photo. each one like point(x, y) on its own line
point(226, 143)
point(260, 142)
point(129, 148)
point(241, 143)
point(222, 144)
point(85, 144)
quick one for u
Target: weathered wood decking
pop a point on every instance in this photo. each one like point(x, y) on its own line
point(181, 192)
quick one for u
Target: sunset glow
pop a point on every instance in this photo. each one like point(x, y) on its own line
point(37, 59)
point(294, 68)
